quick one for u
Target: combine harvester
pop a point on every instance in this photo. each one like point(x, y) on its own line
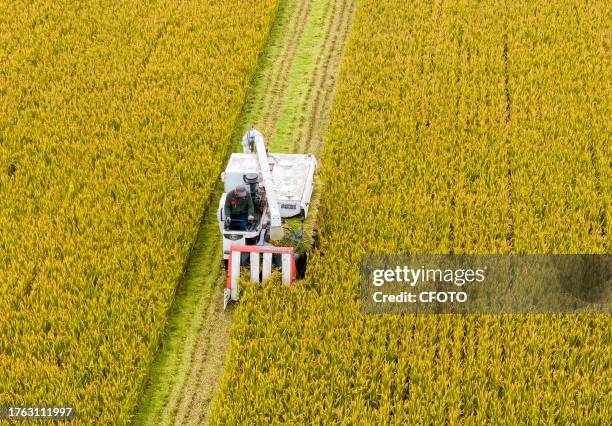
point(280, 186)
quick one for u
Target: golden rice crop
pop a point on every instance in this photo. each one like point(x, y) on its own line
point(115, 119)
point(464, 127)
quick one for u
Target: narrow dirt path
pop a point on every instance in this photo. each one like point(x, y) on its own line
point(281, 64)
point(290, 101)
point(310, 136)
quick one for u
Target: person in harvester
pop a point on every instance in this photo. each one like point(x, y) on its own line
point(239, 208)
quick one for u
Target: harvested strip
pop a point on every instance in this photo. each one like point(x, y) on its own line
point(191, 361)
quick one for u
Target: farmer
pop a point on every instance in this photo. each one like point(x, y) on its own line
point(239, 208)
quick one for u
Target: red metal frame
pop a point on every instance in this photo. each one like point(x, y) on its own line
point(228, 283)
point(260, 249)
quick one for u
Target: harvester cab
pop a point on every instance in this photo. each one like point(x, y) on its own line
point(280, 187)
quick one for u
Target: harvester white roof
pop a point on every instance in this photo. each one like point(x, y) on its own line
point(290, 172)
